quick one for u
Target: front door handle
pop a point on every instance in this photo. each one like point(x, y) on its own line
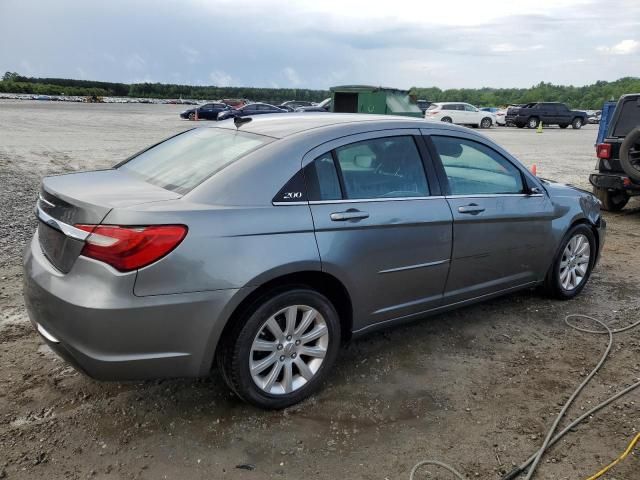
point(351, 214)
point(472, 209)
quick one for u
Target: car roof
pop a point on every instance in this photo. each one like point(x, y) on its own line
point(287, 124)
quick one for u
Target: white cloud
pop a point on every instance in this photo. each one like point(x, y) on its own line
point(625, 47)
point(220, 78)
point(292, 76)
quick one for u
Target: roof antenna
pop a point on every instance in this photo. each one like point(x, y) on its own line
point(239, 121)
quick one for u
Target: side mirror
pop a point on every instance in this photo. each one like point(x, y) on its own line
point(534, 191)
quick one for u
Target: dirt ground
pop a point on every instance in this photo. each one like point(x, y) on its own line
point(477, 388)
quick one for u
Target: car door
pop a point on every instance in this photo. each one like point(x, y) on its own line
point(381, 227)
point(501, 218)
point(207, 112)
point(472, 114)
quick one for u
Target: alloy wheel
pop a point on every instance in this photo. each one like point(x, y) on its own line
point(288, 349)
point(574, 264)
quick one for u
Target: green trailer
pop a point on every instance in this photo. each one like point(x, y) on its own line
point(374, 100)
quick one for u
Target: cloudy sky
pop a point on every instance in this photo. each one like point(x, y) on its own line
point(320, 43)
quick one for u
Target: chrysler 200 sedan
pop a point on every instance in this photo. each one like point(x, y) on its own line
point(260, 245)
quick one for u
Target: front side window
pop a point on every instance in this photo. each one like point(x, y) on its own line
point(382, 168)
point(184, 161)
point(473, 168)
point(470, 108)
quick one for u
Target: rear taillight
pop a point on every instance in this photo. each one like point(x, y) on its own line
point(434, 112)
point(603, 151)
point(130, 248)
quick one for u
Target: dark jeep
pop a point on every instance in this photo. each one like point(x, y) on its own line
point(618, 152)
point(549, 113)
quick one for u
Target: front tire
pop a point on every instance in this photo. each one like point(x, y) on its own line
point(282, 350)
point(612, 200)
point(576, 124)
point(573, 264)
point(533, 122)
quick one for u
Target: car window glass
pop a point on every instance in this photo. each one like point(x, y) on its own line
point(469, 108)
point(473, 168)
point(184, 161)
point(322, 179)
point(382, 168)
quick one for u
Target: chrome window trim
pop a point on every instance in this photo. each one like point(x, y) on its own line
point(496, 195)
point(404, 199)
point(68, 230)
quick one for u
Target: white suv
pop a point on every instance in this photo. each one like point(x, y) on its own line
point(461, 114)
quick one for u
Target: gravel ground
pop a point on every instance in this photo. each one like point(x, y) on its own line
point(476, 388)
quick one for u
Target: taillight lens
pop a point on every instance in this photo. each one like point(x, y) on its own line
point(130, 248)
point(603, 151)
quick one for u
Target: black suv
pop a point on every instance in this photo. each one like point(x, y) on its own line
point(618, 153)
point(549, 113)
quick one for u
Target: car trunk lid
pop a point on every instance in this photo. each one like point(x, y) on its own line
point(85, 198)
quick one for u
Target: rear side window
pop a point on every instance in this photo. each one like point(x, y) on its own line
point(387, 167)
point(186, 160)
point(473, 168)
point(628, 118)
point(322, 179)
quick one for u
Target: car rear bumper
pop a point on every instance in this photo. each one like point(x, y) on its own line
point(614, 181)
point(92, 319)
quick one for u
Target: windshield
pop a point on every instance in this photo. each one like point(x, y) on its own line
point(182, 162)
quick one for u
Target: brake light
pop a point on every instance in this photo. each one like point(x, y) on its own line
point(603, 151)
point(130, 248)
point(434, 112)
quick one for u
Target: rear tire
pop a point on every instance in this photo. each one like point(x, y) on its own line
point(288, 375)
point(612, 200)
point(446, 120)
point(576, 124)
point(561, 283)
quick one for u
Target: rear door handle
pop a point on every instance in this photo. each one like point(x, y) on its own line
point(472, 209)
point(350, 214)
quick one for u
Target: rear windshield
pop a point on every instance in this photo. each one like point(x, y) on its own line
point(186, 160)
point(628, 118)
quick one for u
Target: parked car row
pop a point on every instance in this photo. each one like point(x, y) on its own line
point(229, 108)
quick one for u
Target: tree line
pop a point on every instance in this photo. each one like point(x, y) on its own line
point(15, 83)
point(587, 97)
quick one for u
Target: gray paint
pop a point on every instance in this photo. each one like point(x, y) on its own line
point(406, 259)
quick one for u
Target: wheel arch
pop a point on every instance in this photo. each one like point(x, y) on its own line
point(323, 282)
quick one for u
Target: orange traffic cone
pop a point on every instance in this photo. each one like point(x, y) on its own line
point(196, 115)
point(534, 169)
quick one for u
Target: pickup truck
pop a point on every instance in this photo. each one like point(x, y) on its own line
point(549, 113)
point(617, 176)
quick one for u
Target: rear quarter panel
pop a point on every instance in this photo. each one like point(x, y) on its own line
point(226, 247)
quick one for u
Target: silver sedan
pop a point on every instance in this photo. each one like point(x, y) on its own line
point(261, 244)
